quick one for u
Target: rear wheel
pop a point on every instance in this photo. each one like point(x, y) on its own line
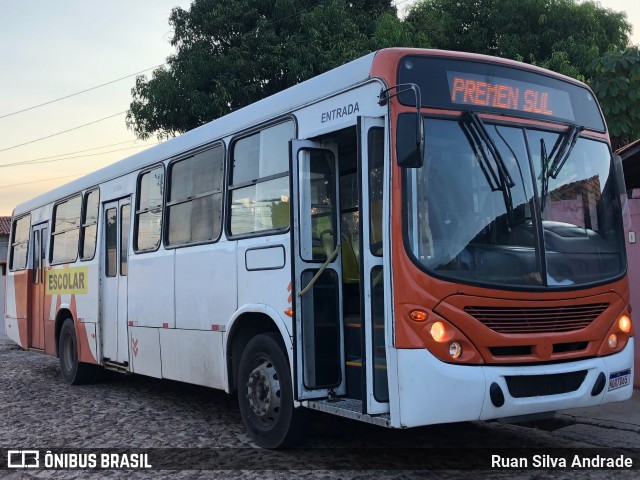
point(265, 393)
point(73, 371)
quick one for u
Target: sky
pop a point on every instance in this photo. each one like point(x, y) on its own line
point(52, 49)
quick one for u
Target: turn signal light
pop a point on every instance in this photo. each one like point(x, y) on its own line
point(438, 331)
point(624, 324)
point(289, 312)
point(418, 315)
point(613, 341)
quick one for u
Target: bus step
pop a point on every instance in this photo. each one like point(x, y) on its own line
point(116, 366)
point(348, 408)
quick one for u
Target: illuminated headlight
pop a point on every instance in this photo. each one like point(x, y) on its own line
point(455, 350)
point(438, 332)
point(613, 341)
point(624, 324)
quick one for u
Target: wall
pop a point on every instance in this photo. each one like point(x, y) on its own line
point(4, 241)
point(633, 258)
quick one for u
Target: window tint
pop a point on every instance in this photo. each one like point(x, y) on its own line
point(194, 209)
point(89, 225)
point(20, 243)
point(111, 243)
point(125, 221)
point(66, 231)
point(376, 172)
point(149, 210)
point(259, 181)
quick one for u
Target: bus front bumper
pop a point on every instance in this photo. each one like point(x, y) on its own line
point(430, 391)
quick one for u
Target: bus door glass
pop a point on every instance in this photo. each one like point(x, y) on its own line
point(319, 346)
point(371, 149)
point(117, 217)
point(36, 319)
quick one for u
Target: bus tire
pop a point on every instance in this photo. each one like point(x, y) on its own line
point(265, 393)
point(73, 371)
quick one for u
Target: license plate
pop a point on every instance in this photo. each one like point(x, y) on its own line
point(619, 379)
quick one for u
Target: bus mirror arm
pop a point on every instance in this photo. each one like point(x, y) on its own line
point(412, 150)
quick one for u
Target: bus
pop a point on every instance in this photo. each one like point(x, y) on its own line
point(415, 237)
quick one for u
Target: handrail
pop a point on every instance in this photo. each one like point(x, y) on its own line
point(329, 259)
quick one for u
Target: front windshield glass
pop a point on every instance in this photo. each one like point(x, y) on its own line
point(473, 211)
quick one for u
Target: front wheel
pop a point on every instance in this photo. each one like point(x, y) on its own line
point(73, 371)
point(265, 393)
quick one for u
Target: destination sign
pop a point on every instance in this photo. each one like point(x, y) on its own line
point(508, 94)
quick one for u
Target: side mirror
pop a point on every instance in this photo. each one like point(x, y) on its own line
point(410, 140)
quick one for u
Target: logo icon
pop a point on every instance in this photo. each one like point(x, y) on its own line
point(23, 459)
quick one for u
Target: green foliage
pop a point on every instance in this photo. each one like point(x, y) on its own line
point(231, 54)
point(562, 35)
point(615, 79)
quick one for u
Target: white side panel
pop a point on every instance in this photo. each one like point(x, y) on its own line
point(268, 286)
point(144, 351)
point(11, 326)
point(205, 290)
point(151, 283)
point(2, 289)
point(193, 356)
point(10, 298)
point(90, 328)
point(340, 111)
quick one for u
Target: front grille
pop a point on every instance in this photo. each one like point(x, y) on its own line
point(537, 319)
point(541, 385)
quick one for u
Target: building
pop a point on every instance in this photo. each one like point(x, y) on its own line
point(5, 229)
point(631, 164)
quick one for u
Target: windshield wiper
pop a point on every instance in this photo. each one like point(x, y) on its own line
point(544, 160)
point(553, 163)
point(481, 143)
point(561, 151)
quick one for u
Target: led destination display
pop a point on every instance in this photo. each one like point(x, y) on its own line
point(507, 94)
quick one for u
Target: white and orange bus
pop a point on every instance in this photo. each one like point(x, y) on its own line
point(415, 237)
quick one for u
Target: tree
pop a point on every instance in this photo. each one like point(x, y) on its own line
point(231, 54)
point(562, 35)
point(615, 79)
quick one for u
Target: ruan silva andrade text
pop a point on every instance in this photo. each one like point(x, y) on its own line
point(549, 461)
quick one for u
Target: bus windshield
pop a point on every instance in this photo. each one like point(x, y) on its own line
point(513, 206)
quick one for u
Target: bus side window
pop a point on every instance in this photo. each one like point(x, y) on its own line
point(20, 243)
point(194, 204)
point(259, 181)
point(89, 225)
point(376, 172)
point(148, 217)
point(65, 234)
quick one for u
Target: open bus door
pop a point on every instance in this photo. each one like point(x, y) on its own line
point(319, 369)
point(371, 150)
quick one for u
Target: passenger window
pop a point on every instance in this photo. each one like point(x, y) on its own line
point(111, 243)
point(66, 231)
point(149, 210)
point(89, 225)
point(260, 181)
point(20, 243)
point(125, 220)
point(376, 172)
point(194, 208)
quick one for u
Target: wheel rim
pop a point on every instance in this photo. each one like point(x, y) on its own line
point(263, 391)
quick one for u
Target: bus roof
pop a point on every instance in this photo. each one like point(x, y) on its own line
point(304, 93)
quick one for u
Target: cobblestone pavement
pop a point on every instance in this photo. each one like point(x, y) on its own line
point(37, 410)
